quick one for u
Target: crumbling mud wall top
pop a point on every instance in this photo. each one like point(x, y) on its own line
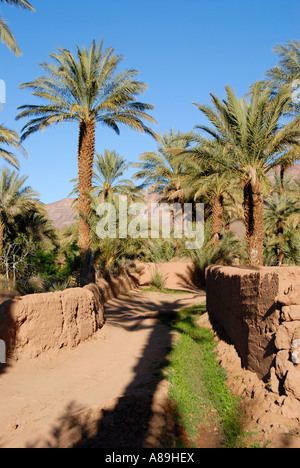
point(33, 324)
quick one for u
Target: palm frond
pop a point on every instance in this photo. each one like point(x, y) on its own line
point(6, 35)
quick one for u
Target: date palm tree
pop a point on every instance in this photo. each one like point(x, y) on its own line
point(292, 157)
point(35, 224)
point(9, 138)
point(204, 177)
point(282, 214)
point(108, 177)
point(87, 90)
point(5, 33)
point(163, 170)
point(254, 141)
point(16, 200)
point(287, 71)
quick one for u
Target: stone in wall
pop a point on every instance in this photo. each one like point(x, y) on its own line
point(283, 364)
point(284, 335)
point(292, 382)
point(287, 338)
point(291, 313)
point(295, 346)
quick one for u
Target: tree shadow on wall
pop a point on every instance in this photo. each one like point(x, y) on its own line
point(191, 280)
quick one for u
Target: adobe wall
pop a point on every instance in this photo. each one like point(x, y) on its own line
point(259, 310)
point(33, 324)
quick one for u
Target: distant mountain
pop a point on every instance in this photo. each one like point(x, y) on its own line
point(61, 213)
point(293, 171)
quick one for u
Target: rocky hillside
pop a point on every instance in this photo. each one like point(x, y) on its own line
point(61, 213)
point(294, 171)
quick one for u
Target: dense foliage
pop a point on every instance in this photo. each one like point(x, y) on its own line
point(237, 165)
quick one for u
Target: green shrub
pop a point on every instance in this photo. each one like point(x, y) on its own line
point(158, 281)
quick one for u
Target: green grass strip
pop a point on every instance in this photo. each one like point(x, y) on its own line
point(164, 291)
point(198, 382)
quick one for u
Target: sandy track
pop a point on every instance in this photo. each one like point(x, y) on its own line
point(108, 392)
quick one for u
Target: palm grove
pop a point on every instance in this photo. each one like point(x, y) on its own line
point(236, 164)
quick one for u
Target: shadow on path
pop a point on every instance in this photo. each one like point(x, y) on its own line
point(142, 416)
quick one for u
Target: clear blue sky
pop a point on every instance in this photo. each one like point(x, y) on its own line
point(184, 49)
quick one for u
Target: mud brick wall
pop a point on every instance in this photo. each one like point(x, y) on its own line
point(259, 310)
point(33, 324)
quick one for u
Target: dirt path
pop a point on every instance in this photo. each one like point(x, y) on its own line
point(108, 392)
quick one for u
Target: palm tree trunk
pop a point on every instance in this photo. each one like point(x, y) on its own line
point(1, 239)
point(282, 175)
point(217, 219)
point(253, 213)
point(279, 235)
point(86, 152)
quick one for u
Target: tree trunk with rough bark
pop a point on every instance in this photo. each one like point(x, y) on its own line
point(279, 235)
point(283, 169)
point(254, 222)
point(86, 152)
point(217, 219)
point(1, 239)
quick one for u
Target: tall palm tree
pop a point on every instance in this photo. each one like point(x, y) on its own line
point(282, 213)
point(15, 200)
point(287, 71)
point(282, 229)
point(9, 138)
point(163, 170)
point(254, 141)
point(204, 177)
point(5, 33)
point(108, 176)
point(291, 157)
point(86, 89)
point(35, 224)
